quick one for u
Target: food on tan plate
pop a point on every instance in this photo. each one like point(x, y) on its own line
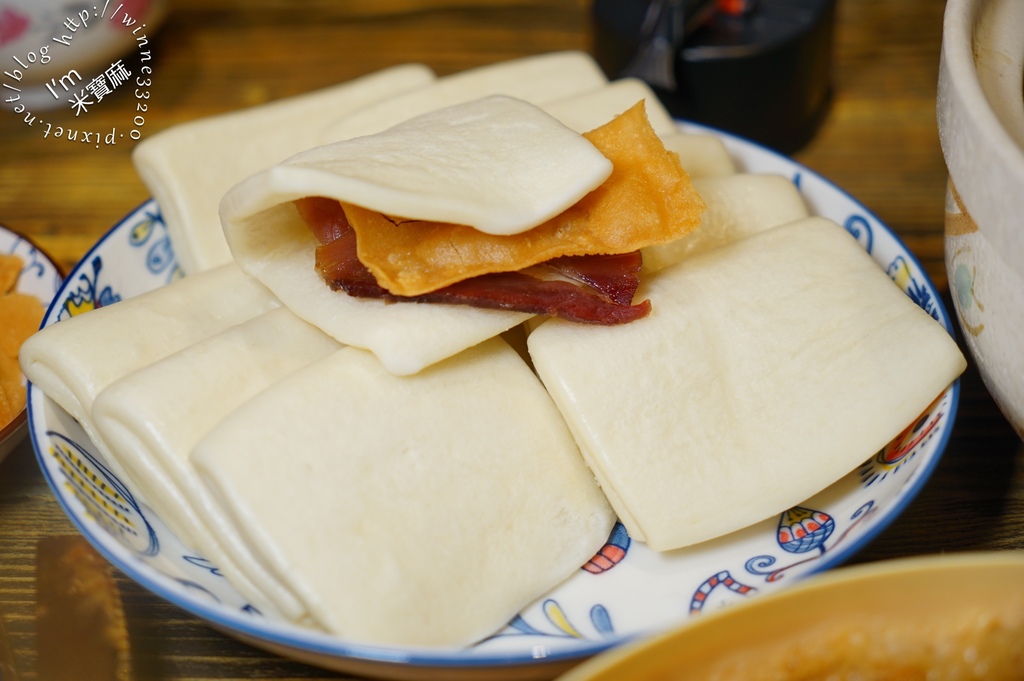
point(76, 359)
point(422, 490)
point(81, 633)
point(954, 617)
point(982, 643)
point(767, 369)
point(536, 79)
point(20, 316)
point(153, 417)
point(188, 167)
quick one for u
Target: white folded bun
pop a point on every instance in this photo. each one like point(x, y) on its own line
point(398, 507)
point(152, 418)
point(767, 370)
point(276, 247)
point(536, 79)
point(738, 205)
point(527, 165)
point(188, 167)
point(73, 360)
point(701, 154)
point(497, 164)
point(592, 109)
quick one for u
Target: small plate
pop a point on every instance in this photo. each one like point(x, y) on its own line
point(41, 278)
point(630, 591)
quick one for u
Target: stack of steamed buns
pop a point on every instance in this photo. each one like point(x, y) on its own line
point(305, 440)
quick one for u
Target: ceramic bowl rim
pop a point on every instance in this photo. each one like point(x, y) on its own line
point(965, 112)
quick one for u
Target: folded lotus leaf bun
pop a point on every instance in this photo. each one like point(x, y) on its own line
point(497, 164)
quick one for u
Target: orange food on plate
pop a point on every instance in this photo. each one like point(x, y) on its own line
point(12, 392)
point(10, 268)
point(20, 316)
point(648, 199)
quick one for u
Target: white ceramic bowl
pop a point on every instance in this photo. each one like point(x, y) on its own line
point(41, 278)
point(981, 127)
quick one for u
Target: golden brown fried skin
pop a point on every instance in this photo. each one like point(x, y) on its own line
point(647, 200)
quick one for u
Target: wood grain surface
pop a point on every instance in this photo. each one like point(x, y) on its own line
point(878, 142)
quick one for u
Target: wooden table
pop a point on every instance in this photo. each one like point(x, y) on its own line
point(879, 142)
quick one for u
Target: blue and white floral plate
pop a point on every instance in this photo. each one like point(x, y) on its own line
point(625, 592)
point(39, 277)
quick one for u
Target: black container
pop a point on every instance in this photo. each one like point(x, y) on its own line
point(764, 74)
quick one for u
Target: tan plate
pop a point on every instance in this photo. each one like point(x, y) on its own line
point(937, 618)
